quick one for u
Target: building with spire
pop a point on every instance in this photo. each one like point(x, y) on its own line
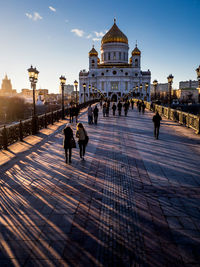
point(114, 74)
point(6, 87)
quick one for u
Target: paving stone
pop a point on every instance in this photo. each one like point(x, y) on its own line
point(134, 201)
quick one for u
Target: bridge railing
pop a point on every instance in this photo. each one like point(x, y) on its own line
point(18, 131)
point(184, 118)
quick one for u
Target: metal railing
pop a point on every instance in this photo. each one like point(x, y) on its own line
point(184, 118)
point(18, 131)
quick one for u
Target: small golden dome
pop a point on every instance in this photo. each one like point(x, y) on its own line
point(93, 52)
point(114, 35)
point(136, 52)
point(98, 60)
point(130, 60)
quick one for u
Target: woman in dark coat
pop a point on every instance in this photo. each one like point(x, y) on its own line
point(68, 135)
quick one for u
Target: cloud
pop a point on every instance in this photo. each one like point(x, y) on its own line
point(96, 39)
point(35, 16)
point(99, 34)
point(78, 32)
point(52, 8)
point(89, 36)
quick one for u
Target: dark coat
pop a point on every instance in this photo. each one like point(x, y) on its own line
point(156, 119)
point(95, 112)
point(119, 106)
point(68, 134)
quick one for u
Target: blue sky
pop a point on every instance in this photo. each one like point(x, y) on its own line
point(56, 36)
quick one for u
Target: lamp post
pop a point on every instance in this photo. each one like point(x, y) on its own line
point(140, 90)
point(89, 90)
point(62, 83)
point(33, 78)
point(76, 85)
point(155, 84)
point(136, 90)
point(170, 81)
point(93, 92)
point(198, 75)
point(84, 86)
point(146, 88)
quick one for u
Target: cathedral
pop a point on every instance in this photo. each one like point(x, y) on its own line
point(114, 75)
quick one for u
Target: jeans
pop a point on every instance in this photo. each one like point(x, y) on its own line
point(156, 131)
point(82, 148)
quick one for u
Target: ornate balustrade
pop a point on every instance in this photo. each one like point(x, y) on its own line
point(184, 118)
point(18, 131)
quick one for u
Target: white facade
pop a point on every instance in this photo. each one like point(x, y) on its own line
point(115, 75)
point(188, 84)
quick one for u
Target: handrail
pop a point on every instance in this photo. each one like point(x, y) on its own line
point(14, 132)
point(184, 118)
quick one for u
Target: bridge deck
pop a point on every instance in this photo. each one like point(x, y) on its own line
point(134, 201)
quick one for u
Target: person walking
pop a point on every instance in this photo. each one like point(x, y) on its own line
point(139, 106)
point(104, 109)
point(119, 107)
point(90, 114)
point(132, 104)
point(95, 112)
point(126, 108)
point(82, 136)
point(156, 120)
point(68, 143)
point(76, 112)
point(71, 114)
point(107, 109)
point(143, 107)
point(114, 107)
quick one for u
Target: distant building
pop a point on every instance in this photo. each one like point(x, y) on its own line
point(188, 84)
point(188, 95)
point(68, 89)
point(6, 87)
point(28, 94)
point(161, 87)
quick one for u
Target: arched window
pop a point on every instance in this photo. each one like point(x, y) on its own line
point(136, 62)
point(93, 61)
point(108, 55)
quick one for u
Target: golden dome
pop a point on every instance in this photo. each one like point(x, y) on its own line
point(98, 60)
point(136, 52)
point(93, 52)
point(130, 60)
point(114, 35)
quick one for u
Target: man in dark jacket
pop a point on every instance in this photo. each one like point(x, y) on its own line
point(114, 108)
point(95, 113)
point(119, 107)
point(156, 120)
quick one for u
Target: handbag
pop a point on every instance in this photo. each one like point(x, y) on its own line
point(72, 143)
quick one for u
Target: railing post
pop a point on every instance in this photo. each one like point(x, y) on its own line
point(188, 120)
point(5, 138)
point(20, 131)
point(198, 125)
point(45, 120)
point(52, 117)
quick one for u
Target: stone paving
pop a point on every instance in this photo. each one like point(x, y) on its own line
point(134, 201)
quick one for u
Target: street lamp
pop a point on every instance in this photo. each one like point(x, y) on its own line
point(84, 86)
point(62, 83)
point(136, 89)
point(140, 90)
point(170, 81)
point(89, 90)
point(93, 91)
point(155, 84)
point(33, 78)
point(198, 75)
point(76, 85)
point(146, 88)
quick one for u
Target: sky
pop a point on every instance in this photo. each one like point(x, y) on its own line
point(55, 36)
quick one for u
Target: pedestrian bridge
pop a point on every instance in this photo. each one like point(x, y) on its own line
point(134, 201)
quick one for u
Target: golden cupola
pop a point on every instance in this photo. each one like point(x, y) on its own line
point(114, 35)
point(93, 52)
point(136, 52)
